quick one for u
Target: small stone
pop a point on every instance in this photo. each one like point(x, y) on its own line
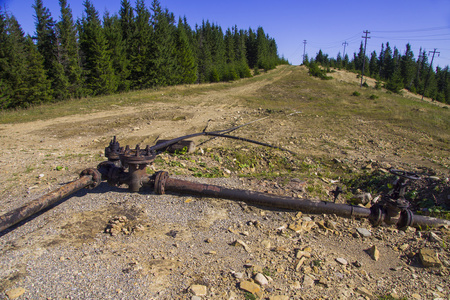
point(342, 261)
point(300, 263)
point(243, 244)
point(374, 253)
point(357, 264)
point(363, 232)
point(363, 291)
point(279, 297)
point(198, 290)
point(301, 253)
point(435, 238)
point(196, 298)
point(363, 198)
point(250, 287)
point(308, 281)
point(296, 285)
point(266, 244)
point(261, 279)
point(211, 252)
point(429, 258)
point(238, 275)
point(404, 247)
point(15, 293)
point(416, 296)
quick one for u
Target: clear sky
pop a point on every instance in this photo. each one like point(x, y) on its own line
point(324, 24)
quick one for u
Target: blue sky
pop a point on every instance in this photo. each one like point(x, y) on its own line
point(324, 24)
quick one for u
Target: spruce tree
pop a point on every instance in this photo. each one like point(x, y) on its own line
point(37, 89)
point(117, 51)
point(185, 58)
point(140, 44)
point(163, 55)
point(47, 46)
point(13, 63)
point(68, 55)
point(407, 68)
point(99, 75)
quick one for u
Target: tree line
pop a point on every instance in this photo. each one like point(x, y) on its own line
point(139, 47)
point(398, 71)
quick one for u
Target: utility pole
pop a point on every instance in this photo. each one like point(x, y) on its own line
point(345, 44)
point(429, 71)
point(364, 58)
point(304, 51)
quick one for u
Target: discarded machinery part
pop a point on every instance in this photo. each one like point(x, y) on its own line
point(96, 177)
point(377, 214)
point(160, 182)
point(256, 198)
point(19, 214)
point(188, 146)
point(390, 215)
point(405, 174)
point(113, 151)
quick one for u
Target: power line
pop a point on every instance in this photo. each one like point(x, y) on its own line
point(429, 71)
point(364, 57)
point(304, 50)
point(345, 44)
point(412, 30)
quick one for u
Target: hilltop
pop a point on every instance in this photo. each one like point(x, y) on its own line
point(176, 246)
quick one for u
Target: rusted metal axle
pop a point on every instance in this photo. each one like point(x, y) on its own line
point(89, 178)
point(162, 182)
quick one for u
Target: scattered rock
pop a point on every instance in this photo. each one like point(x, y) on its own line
point(261, 279)
point(374, 253)
point(250, 287)
point(342, 261)
point(363, 232)
point(429, 258)
point(241, 243)
point(433, 237)
point(15, 293)
point(308, 281)
point(363, 291)
point(198, 290)
point(363, 198)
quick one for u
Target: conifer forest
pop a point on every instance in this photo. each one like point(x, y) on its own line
point(137, 48)
point(144, 46)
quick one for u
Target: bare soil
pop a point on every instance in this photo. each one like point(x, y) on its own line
point(172, 242)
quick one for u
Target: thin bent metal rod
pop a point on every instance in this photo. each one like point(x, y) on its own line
point(218, 133)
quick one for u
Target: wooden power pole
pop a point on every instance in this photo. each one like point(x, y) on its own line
point(364, 57)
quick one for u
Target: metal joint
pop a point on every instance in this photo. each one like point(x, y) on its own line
point(160, 182)
point(96, 177)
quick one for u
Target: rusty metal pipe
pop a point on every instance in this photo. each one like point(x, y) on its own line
point(19, 214)
point(163, 182)
point(262, 199)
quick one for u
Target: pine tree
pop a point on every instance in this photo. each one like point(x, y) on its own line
point(38, 89)
point(47, 46)
point(407, 69)
point(204, 58)
point(163, 54)
point(68, 51)
point(13, 63)
point(98, 70)
point(140, 44)
point(373, 65)
point(185, 58)
point(117, 51)
point(240, 52)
